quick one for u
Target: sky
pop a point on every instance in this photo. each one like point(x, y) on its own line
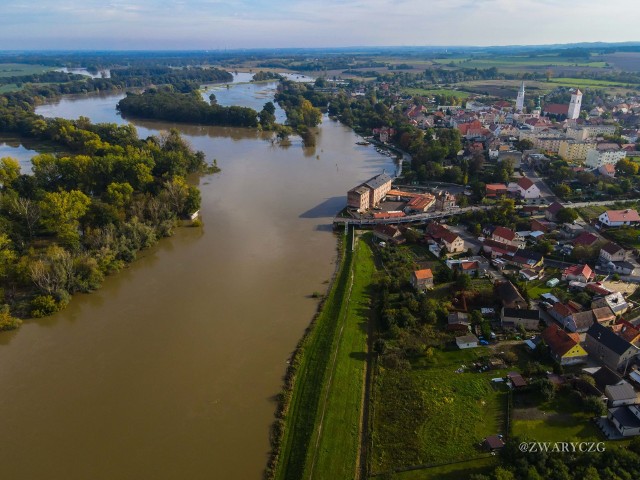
point(232, 24)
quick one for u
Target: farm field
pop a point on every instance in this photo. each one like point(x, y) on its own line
point(20, 69)
point(426, 92)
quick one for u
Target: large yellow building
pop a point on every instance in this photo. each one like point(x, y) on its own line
point(369, 194)
point(573, 150)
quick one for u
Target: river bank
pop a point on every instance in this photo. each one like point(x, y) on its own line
point(318, 429)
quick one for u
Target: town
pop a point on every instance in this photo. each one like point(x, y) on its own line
point(542, 288)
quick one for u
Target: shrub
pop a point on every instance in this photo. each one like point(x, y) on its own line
point(43, 305)
point(8, 322)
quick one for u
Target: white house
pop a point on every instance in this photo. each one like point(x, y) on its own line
point(618, 218)
point(528, 189)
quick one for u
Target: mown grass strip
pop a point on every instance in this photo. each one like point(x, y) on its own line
point(312, 358)
point(338, 434)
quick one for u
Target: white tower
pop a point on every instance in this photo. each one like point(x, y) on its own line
point(520, 99)
point(574, 105)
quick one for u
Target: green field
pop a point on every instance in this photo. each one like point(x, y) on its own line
point(328, 389)
point(454, 471)
point(586, 82)
point(429, 92)
point(429, 414)
point(11, 87)
point(20, 69)
point(518, 62)
point(339, 440)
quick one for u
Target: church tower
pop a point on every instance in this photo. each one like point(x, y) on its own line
point(574, 105)
point(520, 99)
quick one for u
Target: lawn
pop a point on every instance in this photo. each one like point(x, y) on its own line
point(519, 62)
point(626, 236)
point(337, 452)
point(431, 415)
point(592, 211)
point(537, 288)
point(20, 69)
point(555, 421)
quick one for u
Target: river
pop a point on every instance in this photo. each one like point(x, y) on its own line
point(170, 370)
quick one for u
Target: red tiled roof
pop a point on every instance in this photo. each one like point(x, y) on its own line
point(449, 236)
point(577, 270)
point(388, 214)
point(525, 183)
point(423, 274)
point(504, 232)
point(562, 310)
point(554, 208)
point(597, 288)
point(559, 341)
point(627, 215)
point(585, 238)
point(556, 108)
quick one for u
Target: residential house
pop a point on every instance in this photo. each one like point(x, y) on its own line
point(618, 218)
point(506, 236)
point(497, 249)
point(422, 279)
point(607, 170)
point(515, 317)
point(621, 394)
point(527, 259)
point(604, 377)
point(458, 321)
point(607, 347)
point(510, 296)
point(626, 420)
point(452, 242)
point(527, 189)
point(580, 273)
point(388, 233)
point(493, 190)
point(612, 252)
point(552, 211)
point(467, 341)
point(615, 301)
point(570, 318)
point(604, 316)
point(445, 201)
point(628, 331)
point(564, 347)
point(586, 239)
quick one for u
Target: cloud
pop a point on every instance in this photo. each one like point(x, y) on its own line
point(305, 23)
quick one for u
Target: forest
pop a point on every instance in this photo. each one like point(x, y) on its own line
point(166, 104)
point(85, 213)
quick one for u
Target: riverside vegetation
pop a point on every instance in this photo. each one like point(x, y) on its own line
point(84, 213)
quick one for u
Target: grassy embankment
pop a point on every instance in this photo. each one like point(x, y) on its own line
point(322, 421)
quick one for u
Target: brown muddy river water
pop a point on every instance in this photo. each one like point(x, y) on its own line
point(169, 371)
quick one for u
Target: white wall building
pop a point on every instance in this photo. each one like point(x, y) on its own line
point(596, 158)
